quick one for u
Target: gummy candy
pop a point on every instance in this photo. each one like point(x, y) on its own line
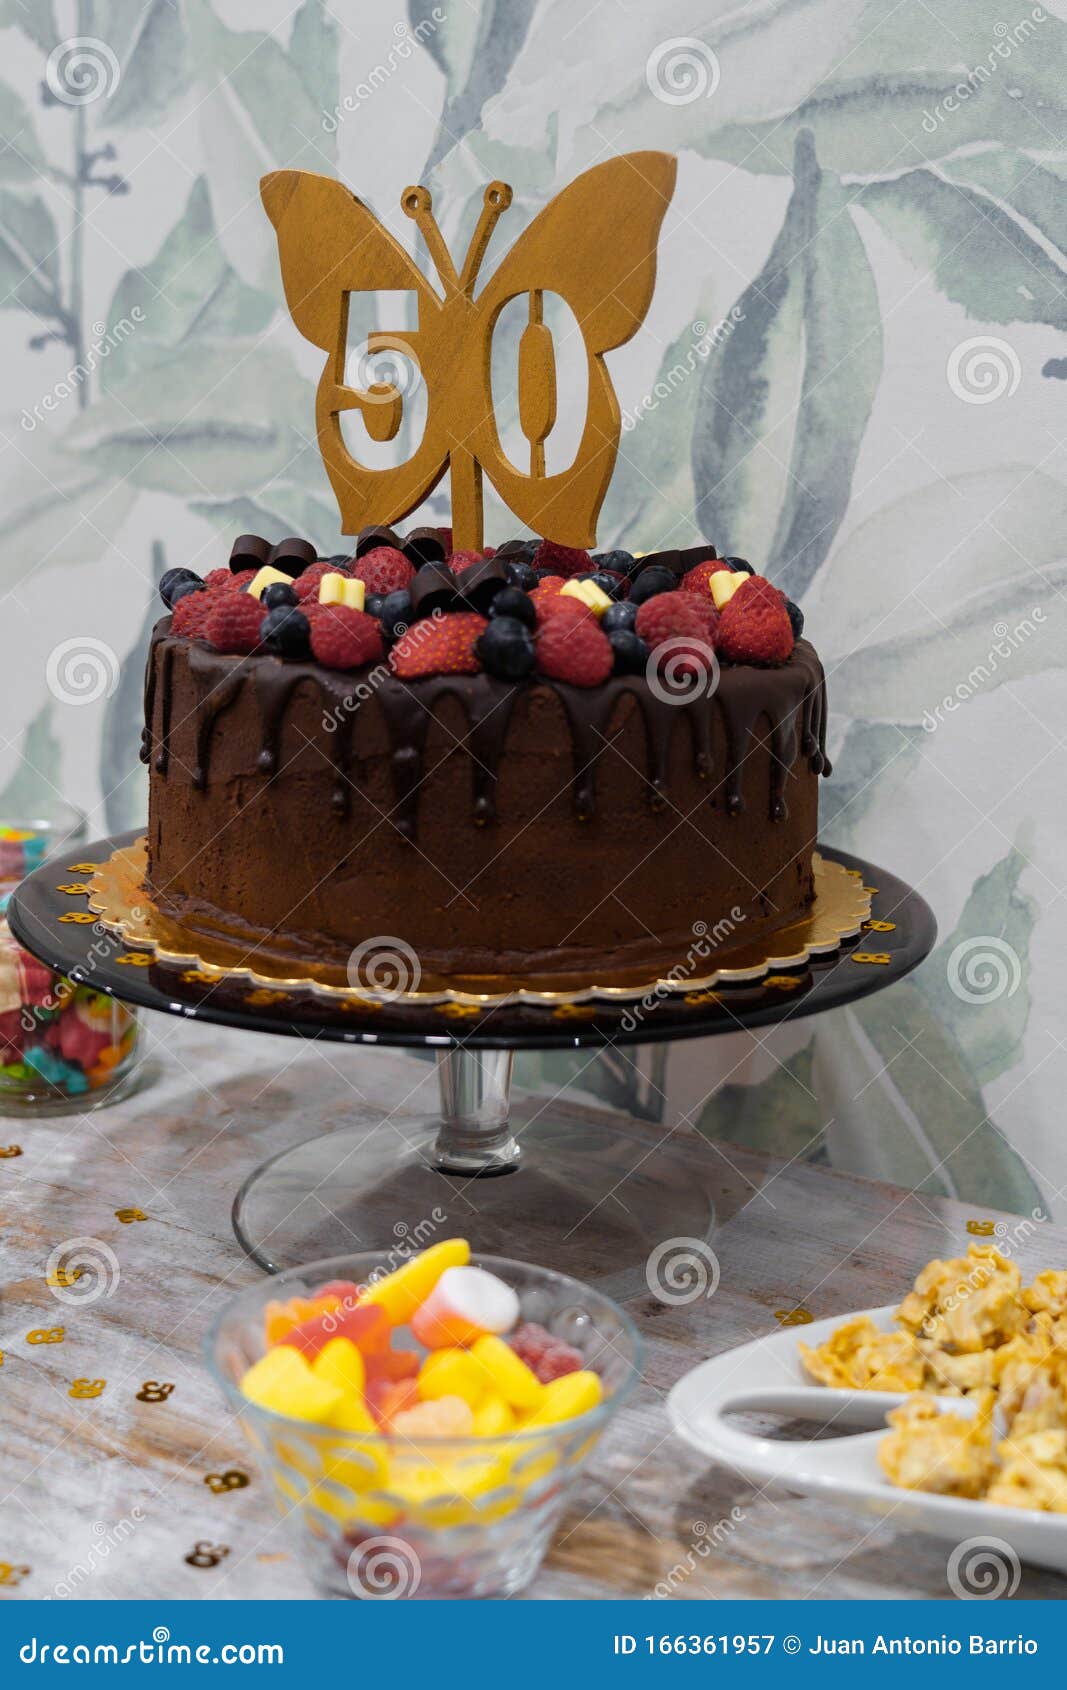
point(340, 1363)
point(447, 1417)
point(452, 1373)
point(282, 1381)
point(564, 1399)
point(465, 1303)
point(386, 1397)
point(392, 1364)
point(401, 1292)
point(493, 1418)
point(502, 1370)
point(367, 1328)
point(548, 1356)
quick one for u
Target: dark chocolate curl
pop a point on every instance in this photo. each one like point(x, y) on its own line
point(248, 551)
point(480, 582)
point(292, 556)
point(433, 588)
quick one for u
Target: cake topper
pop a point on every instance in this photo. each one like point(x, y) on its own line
point(594, 245)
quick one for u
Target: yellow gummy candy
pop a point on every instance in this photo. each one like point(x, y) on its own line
point(587, 593)
point(340, 1363)
point(493, 1418)
point(264, 578)
point(565, 1399)
point(353, 1415)
point(451, 1373)
point(282, 1381)
point(506, 1373)
point(401, 1292)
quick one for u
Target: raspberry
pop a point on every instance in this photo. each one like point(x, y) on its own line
point(344, 638)
point(458, 561)
point(445, 537)
point(556, 604)
point(190, 613)
point(754, 625)
point(573, 648)
point(695, 580)
point(547, 1356)
point(686, 623)
point(233, 622)
point(384, 570)
point(549, 588)
point(238, 582)
point(562, 560)
point(442, 645)
point(306, 585)
point(219, 578)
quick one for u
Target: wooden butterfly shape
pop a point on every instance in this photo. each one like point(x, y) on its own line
point(594, 245)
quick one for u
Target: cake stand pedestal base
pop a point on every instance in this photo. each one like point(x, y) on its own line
point(579, 1197)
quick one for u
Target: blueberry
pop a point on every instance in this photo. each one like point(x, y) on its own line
point(340, 561)
point(175, 579)
point(655, 579)
point(631, 652)
point(286, 631)
point(182, 589)
point(513, 603)
point(739, 565)
point(609, 584)
point(394, 612)
point(278, 595)
point(618, 617)
point(621, 562)
point(506, 649)
point(520, 574)
point(373, 602)
point(796, 617)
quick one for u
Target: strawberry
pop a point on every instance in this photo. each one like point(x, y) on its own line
point(549, 588)
point(684, 623)
point(306, 585)
point(344, 638)
point(440, 645)
point(754, 625)
point(384, 570)
point(562, 560)
point(573, 648)
point(695, 580)
point(190, 613)
point(233, 622)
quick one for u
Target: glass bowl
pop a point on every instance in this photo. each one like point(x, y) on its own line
point(380, 1516)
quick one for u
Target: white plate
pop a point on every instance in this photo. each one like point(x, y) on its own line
point(766, 1376)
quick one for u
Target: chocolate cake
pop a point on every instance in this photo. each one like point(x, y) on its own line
point(611, 770)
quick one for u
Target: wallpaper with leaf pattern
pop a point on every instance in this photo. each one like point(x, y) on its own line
point(852, 373)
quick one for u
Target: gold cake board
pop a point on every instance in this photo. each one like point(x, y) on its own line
point(117, 896)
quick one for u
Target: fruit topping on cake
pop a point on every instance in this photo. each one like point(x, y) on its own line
point(445, 645)
point(529, 608)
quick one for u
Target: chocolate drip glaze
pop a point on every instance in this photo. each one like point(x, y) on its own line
point(790, 701)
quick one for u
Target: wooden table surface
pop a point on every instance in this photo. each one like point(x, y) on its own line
point(105, 1496)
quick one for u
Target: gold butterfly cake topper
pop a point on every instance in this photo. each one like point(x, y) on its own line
point(594, 245)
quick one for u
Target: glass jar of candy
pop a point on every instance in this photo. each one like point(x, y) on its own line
point(63, 1044)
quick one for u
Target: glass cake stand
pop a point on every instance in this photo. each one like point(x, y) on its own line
point(586, 1197)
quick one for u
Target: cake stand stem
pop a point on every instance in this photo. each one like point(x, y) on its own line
point(475, 1136)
